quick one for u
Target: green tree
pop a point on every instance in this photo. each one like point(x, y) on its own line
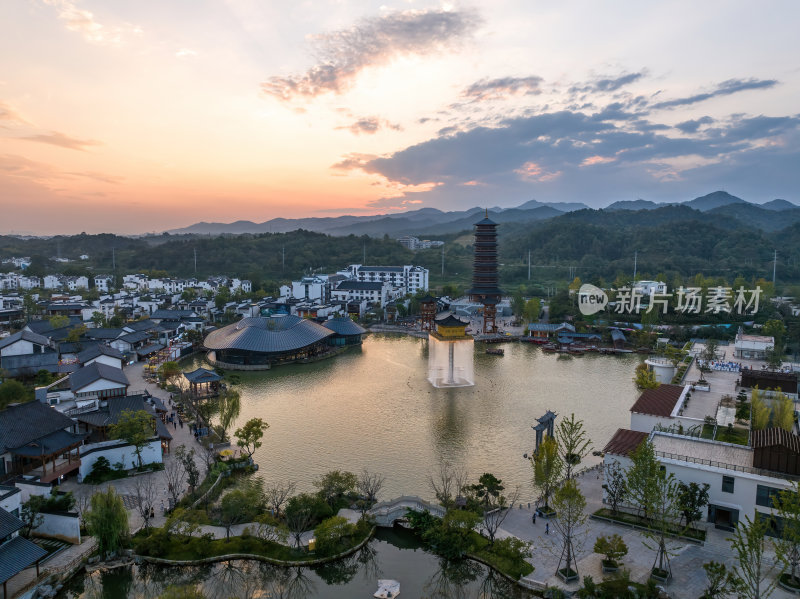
point(136, 428)
point(750, 545)
point(332, 533)
point(75, 334)
point(99, 319)
point(334, 485)
point(31, 515)
point(230, 404)
point(249, 436)
point(107, 521)
point(58, 321)
point(570, 506)
point(612, 547)
point(787, 509)
point(645, 378)
point(12, 391)
point(776, 329)
point(615, 485)
point(641, 477)
point(692, 498)
point(547, 469)
point(773, 358)
point(487, 490)
point(721, 581)
point(760, 410)
point(572, 442)
point(782, 412)
point(300, 514)
point(517, 303)
point(169, 370)
point(238, 506)
point(453, 537)
point(533, 307)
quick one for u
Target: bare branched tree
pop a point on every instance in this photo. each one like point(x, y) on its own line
point(175, 473)
point(447, 483)
point(494, 517)
point(369, 485)
point(278, 493)
point(145, 491)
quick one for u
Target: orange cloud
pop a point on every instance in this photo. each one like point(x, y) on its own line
point(530, 171)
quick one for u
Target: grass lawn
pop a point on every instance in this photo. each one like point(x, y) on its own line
point(737, 434)
point(692, 533)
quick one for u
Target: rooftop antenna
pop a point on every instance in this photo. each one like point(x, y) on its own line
point(195, 261)
point(635, 256)
point(529, 265)
point(364, 260)
point(283, 258)
point(114, 259)
point(442, 260)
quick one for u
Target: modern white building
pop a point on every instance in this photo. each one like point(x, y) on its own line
point(739, 485)
point(313, 288)
point(103, 283)
point(376, 293)
point(410, 278)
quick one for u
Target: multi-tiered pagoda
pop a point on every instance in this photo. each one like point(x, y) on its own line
point(484, 275)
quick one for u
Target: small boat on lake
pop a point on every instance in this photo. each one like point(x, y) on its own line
point(495, 351)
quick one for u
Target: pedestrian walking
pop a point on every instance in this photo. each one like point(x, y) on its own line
point(180, 422)
point(534, 517)
point(547, 528)
point(175, 424)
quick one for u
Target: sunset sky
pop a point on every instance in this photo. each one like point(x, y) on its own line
point(134, 116)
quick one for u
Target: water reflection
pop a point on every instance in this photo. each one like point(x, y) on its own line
point(391, 554)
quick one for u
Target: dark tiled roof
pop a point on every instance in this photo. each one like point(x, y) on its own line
point(24, 336)
point(149, 349)
point(97, 351)
point(77, 347)
point(49, 444)
point(617, 335)
point(104, 333)
point(16, 555)
point(171, 314)
point(29, 421)
point(9, 523)
point(136, 336)
point(31, 363)
point(775, 436)
point(451, 321)
point(140, 325)
point(267, 335)
point(659, 401)
point(360, 286)
point(344, 326)
point(202, 375)
point(94, 372)
point(624, 442)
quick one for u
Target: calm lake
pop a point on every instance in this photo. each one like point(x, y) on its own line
point(374, 408)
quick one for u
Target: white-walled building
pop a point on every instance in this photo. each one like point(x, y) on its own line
point(313, 288)
point(754, 347)
point(376, 293)
point(410, 278)
point(103, 283)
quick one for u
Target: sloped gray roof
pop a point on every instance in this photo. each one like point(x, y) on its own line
point(49, 444)
point(267, 335)
point(94, 372)
point(24, 336)
point(202, 375)
point(344, 326)
point(16, 555)
point(104, 333)
point(136, 336)
point(29, 421)
point(99, 350)
point(16, 365)
point(140, 325)
point(9, 523)
point(150, 349)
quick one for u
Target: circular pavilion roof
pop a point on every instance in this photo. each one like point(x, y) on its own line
point(344, 326)
point(267, 335)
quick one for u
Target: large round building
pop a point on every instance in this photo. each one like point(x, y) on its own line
point(258, 343)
